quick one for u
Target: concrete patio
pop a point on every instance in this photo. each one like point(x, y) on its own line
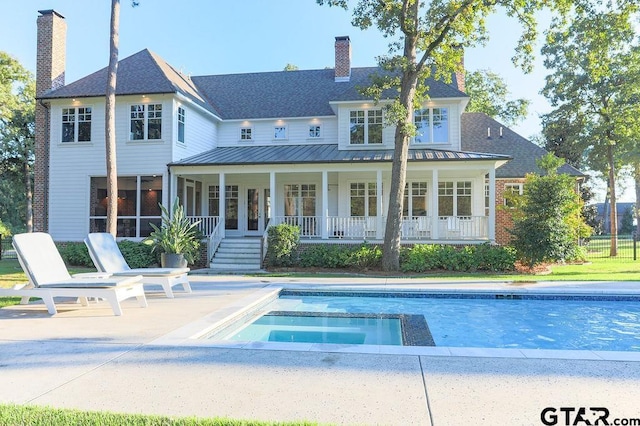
point(86, 358)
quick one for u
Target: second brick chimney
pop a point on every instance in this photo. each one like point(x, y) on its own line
point(50, 69)
point(343, 59)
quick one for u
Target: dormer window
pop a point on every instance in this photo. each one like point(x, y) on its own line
point(365, 127)
point(246, 134)
point(432, 125)
point(280, 132)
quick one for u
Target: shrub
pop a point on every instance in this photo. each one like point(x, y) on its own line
point(75, 254)
point(325, 256)
point(365, 256)
point(282, 242)
point(485, 257)
point(137, 255)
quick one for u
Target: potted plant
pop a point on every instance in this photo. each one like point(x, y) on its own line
point(177, 239)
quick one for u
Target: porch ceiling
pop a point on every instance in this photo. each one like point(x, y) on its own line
point(321, 153)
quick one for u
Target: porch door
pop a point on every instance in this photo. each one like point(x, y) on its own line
point(257, 210)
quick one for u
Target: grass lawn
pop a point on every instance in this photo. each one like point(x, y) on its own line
point(46, 416)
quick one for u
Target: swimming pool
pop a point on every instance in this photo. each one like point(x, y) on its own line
point(596, 323)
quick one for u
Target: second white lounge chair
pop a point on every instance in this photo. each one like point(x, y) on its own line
point(49, 278)
point(106, 255)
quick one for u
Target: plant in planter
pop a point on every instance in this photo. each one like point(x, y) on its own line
point(177, 239)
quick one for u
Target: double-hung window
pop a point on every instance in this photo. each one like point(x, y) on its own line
point(76, 124)
point(365, 127)
point(146, 122)
point(432, 125)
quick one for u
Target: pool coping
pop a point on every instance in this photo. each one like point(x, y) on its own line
point(193, 334)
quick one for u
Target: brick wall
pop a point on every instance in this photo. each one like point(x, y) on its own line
point(503, 215)
point(50, 69)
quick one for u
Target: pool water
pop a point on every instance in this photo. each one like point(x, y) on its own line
point(486, 322)
point(322, 329)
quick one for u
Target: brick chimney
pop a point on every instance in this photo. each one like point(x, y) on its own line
point(50, 68)
point(343, 59)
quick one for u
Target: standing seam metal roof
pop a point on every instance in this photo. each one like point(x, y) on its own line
point(320, 153)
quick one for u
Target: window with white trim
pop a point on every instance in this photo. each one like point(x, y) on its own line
point(314, 131)
point(280, 132)
point(146, 122)
point(246, 133)
point(365, 127)
point(76, 124)
point(181, 123)
point(454, 198)
point(432, 125)
point(512, 190)
point(363, 199)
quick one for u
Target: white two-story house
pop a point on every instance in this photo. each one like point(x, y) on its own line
point(246, 151)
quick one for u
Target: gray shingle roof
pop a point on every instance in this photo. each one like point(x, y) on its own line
point(326, 153)
point(524, 152)
point(293, 93)
point(141, 73)
point(282, 94)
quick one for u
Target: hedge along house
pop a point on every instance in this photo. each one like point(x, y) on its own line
point(246, 151)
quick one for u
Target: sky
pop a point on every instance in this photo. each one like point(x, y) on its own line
point(202, 37)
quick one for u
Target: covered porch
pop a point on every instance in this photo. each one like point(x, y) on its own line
point(449, 196)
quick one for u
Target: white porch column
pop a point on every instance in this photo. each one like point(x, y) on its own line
point(222, 203)
point(434, 203)
point(325, 206)
point(492, 205)
point(379, 223)
point(272, 194)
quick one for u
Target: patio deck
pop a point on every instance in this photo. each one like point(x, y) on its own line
point(86, 358)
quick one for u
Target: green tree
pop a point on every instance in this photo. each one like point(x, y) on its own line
point(17, 133)
point(489, 93)
point(595, 61)
point(626, 222)
point(427, 40)
point(548, 222)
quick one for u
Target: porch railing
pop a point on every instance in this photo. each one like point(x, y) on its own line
point(214, 241)
point(371, 228)
point(207, 223)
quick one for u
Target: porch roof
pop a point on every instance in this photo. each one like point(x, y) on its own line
point(321, 153)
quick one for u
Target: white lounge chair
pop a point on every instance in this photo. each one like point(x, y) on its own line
point(107, 257)
point(49, 278)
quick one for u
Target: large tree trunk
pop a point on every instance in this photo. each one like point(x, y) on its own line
point(110, 124)
point(613, 214)
point(391, 249)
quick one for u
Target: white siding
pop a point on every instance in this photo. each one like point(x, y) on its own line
point(201, 131)
point(263, 131)
point(72, 164)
